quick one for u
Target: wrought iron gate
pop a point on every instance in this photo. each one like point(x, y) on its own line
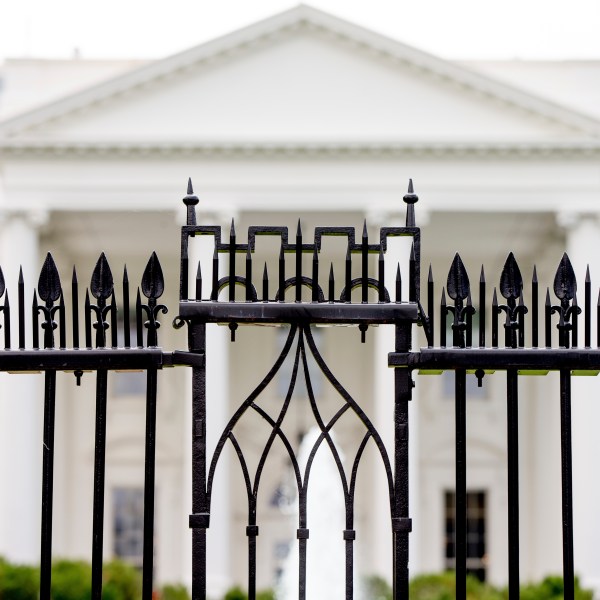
point(330, 302)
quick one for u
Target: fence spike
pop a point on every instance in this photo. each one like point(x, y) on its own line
point(88, 320)
point(598, 321)
point(331, 284)
point(153, 281)
point(35, 322)
point(138, 320)
point(190, 201)
point(2, 282)
point(75, 308)
point(412, 277)
point(548, 319)
point(588, 309)
point(482, 308)
point(398, 284)
point(431, 304)
point(534, 308)
point(511, 281)
point(410, 199)
point(348, 285)
point(265, 283)
point(126, 323)
point(495, 314)
point(469, 322)
point(458, 285)
point(199, 282)
point(232, 248)
point(298, 252)
point(21, 306)
point(214, 295)
point(365, 264)
point(248, 274)
point(381, 275)
point(443, 313)
point(565, 283)
point(62, 336)
point(6, 322)
point(49, 287)
point(113, 321)
point(281, 291)
point(102, 284)
point(315, 275)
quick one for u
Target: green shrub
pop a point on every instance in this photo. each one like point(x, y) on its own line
point(18, 582)
point(236, 593)
point(71, 580)
point(442, 587)
point(121, 581)
point(174, 592)
point(552, 588)
point(265, 595)
point(375, 587)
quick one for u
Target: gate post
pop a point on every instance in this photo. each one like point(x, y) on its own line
point(200, 517)
point(401, 523)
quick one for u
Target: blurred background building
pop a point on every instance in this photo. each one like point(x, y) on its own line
point(299, 115)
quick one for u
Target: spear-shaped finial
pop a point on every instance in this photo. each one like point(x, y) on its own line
point(410, 198)
point(190, 200)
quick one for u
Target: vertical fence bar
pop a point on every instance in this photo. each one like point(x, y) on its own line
point(443, 312)
point(495, 314)
point(248, 275)
point(126, 324)
point(281, 291)
point(6, 322)
point(567, 483)
point(365, 265)
point(512, 422)
point(482, 309)
point(21, 301)
point(381, 276)
point(265, 284)
point(149, 484)
point(299, 263)
point(588, 309)
point(315, 275)
point(232, 248)
point(401, 524)
point(199, 519)
point(99, 481)
point(431, 304)
point(460, 376)
point(348, 284)
point(548, 320)
point(534, 309)
point(47, 484)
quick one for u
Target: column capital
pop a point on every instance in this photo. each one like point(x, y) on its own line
point(36, 218)
point(571, 219)
point(386, 218)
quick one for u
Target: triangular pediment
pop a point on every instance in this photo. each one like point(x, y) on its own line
point(301, 76)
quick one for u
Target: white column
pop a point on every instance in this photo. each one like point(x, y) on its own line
point(218, 577)
point(383, 388)
point(583, 248)
point(21, 403)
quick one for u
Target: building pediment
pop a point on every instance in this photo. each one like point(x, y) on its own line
point(302, 77)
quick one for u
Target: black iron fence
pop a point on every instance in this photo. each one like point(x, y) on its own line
point(248, 295)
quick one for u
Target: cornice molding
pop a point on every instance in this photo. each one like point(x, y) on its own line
point(321, 23)
point(285, 150)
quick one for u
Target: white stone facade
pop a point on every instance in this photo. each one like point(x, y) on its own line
point(301, 115)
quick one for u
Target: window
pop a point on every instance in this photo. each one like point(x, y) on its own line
point(128, 524)
point(476, 532)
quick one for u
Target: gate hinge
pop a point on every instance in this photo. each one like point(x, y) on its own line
point(199, 521)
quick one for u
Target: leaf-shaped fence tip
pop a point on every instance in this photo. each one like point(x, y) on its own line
point(2, 283)
point(49, 287)
point(511, 280)
point(102, 283)
point(458, 285)
point(153, 283)
point(565, 284)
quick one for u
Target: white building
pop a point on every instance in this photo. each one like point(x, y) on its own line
point(306, 115)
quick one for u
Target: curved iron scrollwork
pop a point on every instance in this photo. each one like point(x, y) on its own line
point(305, 344)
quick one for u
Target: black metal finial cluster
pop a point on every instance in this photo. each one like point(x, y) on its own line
point(511, 288)
point(49, 312)
point(320, 291)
